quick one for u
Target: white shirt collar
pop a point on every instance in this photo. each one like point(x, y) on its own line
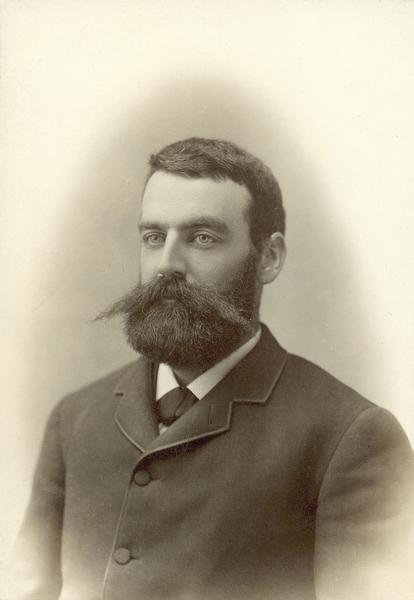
point(201, 386)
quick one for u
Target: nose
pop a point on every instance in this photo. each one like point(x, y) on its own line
point(172, 259)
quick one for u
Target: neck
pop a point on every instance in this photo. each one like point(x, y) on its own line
point(187, 374)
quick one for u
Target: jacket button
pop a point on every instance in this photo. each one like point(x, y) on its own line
point(142, 477)
point(122, 556)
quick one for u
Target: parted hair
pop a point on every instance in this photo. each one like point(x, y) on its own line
point(220, 160)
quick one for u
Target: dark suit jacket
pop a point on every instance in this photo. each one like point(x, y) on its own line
point(281, 483)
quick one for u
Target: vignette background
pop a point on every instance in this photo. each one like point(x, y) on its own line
point(321, 91)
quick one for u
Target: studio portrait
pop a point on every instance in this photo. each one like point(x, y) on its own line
point(208, 333)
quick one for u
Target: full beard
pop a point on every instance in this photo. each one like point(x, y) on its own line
point(185, 325)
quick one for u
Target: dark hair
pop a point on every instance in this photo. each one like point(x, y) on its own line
point(220, 160)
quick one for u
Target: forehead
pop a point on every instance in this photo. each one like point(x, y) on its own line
point(174, 199)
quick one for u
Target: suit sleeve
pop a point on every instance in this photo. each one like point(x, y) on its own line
point(35, 566)
point(364, 526)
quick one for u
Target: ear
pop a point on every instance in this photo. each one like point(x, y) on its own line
point(272, 258)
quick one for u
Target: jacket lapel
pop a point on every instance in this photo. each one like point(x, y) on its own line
point(257, 374)
point(251, 381)
point(135, 415)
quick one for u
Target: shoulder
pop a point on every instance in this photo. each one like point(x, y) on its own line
point(315, 402)
point(98, 397)
point(300, 384)
point(314, 383)
point(330, 410)
point(342, 431)
point(101, 386)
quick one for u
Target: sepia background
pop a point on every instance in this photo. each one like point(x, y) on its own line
point(323, 92)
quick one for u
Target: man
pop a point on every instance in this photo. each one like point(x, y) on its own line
point(216, 466)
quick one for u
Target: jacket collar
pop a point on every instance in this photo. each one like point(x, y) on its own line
point(251, 381)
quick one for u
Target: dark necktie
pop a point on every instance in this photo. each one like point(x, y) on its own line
point(174, 404)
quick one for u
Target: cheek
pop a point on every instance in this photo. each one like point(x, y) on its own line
point(206, 268)
point(147, 269)
point(219, 273)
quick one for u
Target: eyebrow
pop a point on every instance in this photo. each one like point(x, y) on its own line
point(212, 222)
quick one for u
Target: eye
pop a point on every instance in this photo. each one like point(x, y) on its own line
point(203, 239)
point(153, 240)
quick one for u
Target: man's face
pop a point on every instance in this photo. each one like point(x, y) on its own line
point(197, 296)
point(195, 228)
